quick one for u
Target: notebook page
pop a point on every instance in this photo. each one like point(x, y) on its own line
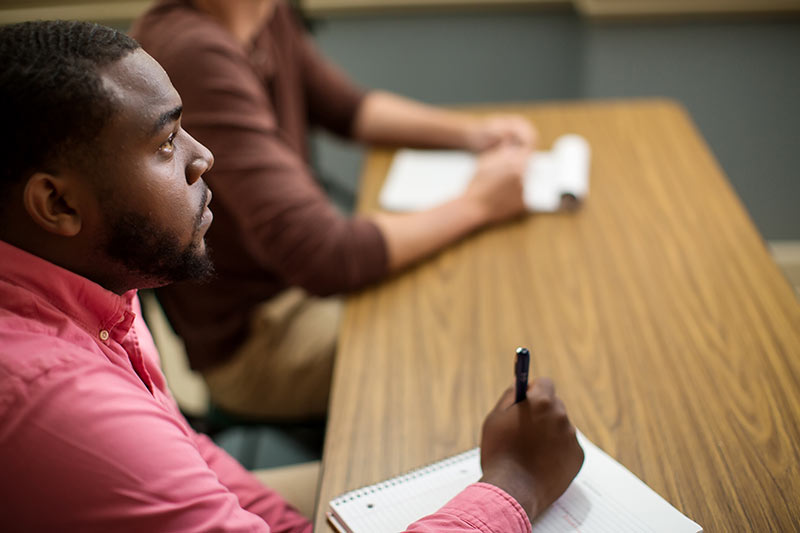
point(422, 179)
point(396, 503)
point(541, 191)
point(604, 498)
point(571, 154)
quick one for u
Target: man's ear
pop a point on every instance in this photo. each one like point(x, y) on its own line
point(52, 202)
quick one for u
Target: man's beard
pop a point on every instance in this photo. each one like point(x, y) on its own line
point(155, 253)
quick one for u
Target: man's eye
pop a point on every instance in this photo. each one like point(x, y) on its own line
point(169, 145)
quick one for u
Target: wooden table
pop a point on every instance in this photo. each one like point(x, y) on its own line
point(672, 336)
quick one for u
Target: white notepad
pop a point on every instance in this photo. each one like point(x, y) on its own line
point(421, 179)
point(605, 497)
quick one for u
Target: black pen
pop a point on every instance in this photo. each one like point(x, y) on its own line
point(521, 373)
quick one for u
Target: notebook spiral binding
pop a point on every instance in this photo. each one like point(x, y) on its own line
point(403, 478)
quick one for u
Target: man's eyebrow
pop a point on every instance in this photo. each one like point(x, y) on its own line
point(170, 116)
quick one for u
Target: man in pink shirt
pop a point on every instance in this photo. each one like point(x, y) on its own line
point(102, 193)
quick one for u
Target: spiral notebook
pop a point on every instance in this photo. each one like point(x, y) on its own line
point(421, 179)
point(605, 497)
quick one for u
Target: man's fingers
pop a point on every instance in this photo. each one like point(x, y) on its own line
point(545, 387)
point(541, 388)
point(506, 399)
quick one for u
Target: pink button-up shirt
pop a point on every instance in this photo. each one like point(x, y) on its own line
point(92, 440)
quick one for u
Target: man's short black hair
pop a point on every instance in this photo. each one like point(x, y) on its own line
point(52, 100)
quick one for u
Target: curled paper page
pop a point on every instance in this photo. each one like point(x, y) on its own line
point(559, 178)
point(421, 179)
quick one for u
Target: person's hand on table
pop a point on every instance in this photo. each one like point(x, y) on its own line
point(496, 187)
point(530, 449)
point(495, 130)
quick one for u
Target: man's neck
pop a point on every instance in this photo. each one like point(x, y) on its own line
point(242, 18)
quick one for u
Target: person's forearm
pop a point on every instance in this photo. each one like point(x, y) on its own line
point(494, 194)
point(414, 236)
point(385, 118)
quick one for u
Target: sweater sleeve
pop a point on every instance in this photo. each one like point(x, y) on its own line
point(332, 98)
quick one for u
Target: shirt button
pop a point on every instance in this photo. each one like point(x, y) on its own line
point(104, 335)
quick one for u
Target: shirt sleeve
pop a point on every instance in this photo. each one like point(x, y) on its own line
point(252, 495)
point(282, 216)
point(333, 100)
point(480, 507)
point(100, 454)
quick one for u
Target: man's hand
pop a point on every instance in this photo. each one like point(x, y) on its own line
point(497, 130)
point(496, 187)
point(530, 449)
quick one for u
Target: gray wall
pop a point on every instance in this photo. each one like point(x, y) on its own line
point(740, 80)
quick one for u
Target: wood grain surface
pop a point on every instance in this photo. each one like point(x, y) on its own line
point(670, 333)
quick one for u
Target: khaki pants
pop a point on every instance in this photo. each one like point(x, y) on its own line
point(296, 483)
point(283, 370)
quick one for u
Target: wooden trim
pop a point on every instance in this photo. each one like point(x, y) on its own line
point(340, 7)
point(787, 255)
point(93, 11)
point(648, 8)
point(590, 8)
point(126, 10)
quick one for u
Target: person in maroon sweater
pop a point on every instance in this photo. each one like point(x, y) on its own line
point(253, 84)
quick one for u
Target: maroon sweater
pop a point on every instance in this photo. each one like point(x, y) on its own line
point(273, 225)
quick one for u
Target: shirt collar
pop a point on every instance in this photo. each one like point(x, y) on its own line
point(89, 304)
